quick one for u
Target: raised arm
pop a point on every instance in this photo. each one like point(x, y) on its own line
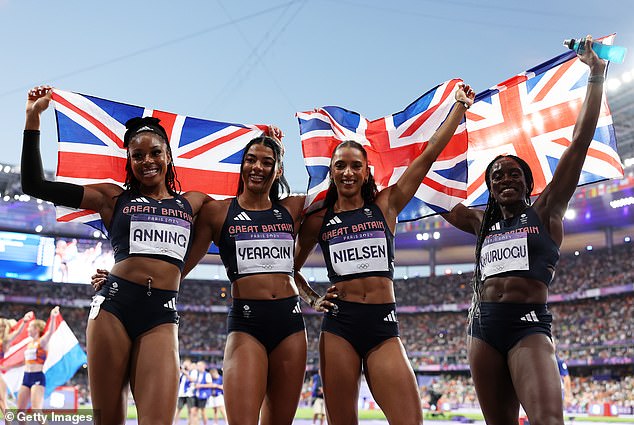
point(51, 329)
point(554, 199)
point(96, 197)
point(9, 339)
point(304, 245)
point(398, 195)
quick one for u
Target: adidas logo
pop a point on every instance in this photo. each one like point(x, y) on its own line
point(297, 309)
point(530, 317)
point(142, 200)
point(334, 220)
point(242, 217)
point(171, 304)
point(390, 317)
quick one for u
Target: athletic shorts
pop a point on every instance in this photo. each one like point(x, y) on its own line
point(33, 378)
point(364, 326)
point(319, 408)
point(131, 304)
point(502, 325)
point(268, 321)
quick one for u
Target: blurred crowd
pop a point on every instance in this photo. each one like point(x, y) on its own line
point(590, 332)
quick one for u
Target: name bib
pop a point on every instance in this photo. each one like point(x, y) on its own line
point(504, 253)
point(159, 235)
point(359, 253)
point(264, 252)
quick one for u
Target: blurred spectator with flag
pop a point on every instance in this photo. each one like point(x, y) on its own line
point(9, 330)
point(34, 382)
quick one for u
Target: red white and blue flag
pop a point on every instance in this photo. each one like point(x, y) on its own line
point(90, 131)
point(532, 115)
point(392, 143)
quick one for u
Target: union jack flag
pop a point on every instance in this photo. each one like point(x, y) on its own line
point(90, 131)
point(392, 143)
point(532, 115)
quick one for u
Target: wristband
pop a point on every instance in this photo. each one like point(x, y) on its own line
point(598, 79)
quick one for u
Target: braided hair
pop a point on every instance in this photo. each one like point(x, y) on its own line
point(139, 125)
point(280, 187)
point(368, 190)
point(492, 215)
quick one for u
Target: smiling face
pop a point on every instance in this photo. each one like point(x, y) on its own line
point(148, 158)
point(259, 169)
point(507, 182)
point(349, 171)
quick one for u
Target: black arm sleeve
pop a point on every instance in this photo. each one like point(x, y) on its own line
point(32, 176)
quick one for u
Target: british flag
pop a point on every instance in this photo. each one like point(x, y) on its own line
point(392, 143)
point(532, 115)
point(90, 130)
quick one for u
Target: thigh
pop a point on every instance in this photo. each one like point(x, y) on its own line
point(108, 349)
point(245, 370)
point(493, 383)
point(24, 397)
point(535, 373)
point(154, 374)
point(393, 383)
point(340, 369)
point(37, 397)
point(287, 366)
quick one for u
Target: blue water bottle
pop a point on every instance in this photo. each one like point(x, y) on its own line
point(614, 54)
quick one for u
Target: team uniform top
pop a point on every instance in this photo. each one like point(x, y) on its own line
point(215, 392)
point(142, 226)
point(519, 246)
point(357, 243)
point(254, 242)
point(34, 353)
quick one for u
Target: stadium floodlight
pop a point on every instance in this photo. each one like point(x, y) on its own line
point(38, 228)
point(570, 214)
point(419, 236)
point(436, 235)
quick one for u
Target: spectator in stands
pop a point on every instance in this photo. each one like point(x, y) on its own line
point(509, 322)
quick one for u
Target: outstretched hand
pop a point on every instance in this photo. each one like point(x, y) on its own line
point(38, 99)
point(465, 94)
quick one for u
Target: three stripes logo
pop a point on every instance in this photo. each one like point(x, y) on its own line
point(171, 304)
point(141, 200)
point(297, 309)
point(242, 217)
point(334, 220)
point(530, 317)
point(390, 317)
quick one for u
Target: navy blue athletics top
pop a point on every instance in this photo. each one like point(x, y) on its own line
point(143, 226)
point(519, 246)
point(255, 242)
point(357, 243)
